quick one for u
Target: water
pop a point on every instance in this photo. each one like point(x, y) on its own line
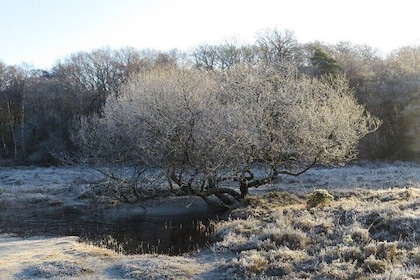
point(130, 234)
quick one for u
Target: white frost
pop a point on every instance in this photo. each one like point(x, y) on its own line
point(65, 258)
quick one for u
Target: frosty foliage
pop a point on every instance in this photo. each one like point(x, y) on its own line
point(206, 128)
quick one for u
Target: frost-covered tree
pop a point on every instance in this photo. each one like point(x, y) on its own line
point(277, 47)
point(213, 133)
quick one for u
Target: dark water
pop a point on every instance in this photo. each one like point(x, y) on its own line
point(131, 234)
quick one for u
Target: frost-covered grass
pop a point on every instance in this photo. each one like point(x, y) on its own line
point(363, 235)
point(369, 230)
point(66, 258)
point(366, 175)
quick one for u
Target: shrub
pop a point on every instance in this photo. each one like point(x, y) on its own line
point(319, 198)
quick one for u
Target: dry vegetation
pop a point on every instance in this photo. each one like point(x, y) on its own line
point(363, 234)
point(363, 223)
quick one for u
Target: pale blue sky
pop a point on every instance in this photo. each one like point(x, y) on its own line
point(39, 32)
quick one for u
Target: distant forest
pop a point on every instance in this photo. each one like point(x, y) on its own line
point(38, 106)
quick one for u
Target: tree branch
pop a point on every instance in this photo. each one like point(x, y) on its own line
point(300, 172)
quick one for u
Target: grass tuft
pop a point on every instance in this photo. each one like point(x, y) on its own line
point(373, 265)
point(366, 234)
point(319, 198)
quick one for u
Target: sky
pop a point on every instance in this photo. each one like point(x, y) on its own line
point(40, 32)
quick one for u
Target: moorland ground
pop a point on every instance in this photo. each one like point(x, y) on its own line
point(368, 229)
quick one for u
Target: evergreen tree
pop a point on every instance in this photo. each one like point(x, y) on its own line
point(324, 62)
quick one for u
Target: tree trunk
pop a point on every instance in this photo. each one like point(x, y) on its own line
point(22, 124)
point(244, 190)
point(11, 124)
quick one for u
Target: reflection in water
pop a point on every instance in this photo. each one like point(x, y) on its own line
point(134, 234)
point(154, 234)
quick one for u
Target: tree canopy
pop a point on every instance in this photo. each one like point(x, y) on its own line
point(246, 126)
point(38, 107)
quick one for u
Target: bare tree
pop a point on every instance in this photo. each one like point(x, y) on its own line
point(168, 118)
point(292, 121)
point(209, 130)
point(400, 105)
point(410, 121)
point(360, 63)
point(205, 57)
point(277, 47)
point(12, 108)
point(223, 56)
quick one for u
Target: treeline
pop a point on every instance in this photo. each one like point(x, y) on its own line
point(38, 107)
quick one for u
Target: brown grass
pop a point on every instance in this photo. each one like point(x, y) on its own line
point(369, 234)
